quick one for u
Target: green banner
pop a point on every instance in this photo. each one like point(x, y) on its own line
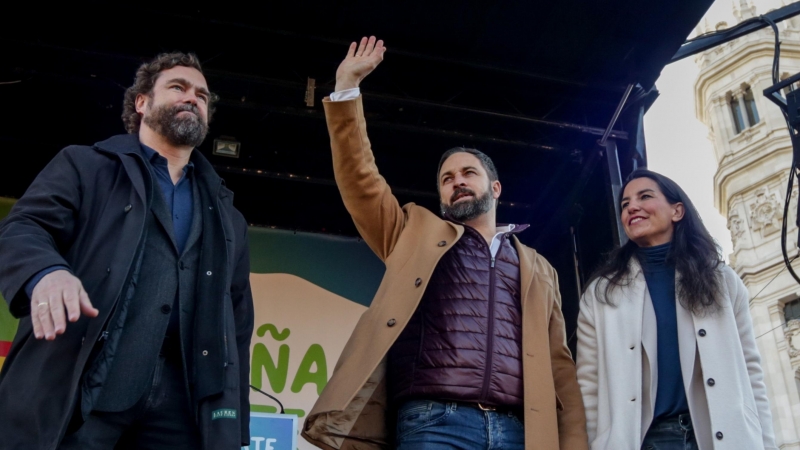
point(342, 265)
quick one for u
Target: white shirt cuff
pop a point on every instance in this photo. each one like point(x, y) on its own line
point(347, 94)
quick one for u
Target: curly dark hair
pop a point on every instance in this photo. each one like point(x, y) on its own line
point(146, 77)
point(693, 251)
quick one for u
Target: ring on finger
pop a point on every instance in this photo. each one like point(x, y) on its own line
point(43, 304)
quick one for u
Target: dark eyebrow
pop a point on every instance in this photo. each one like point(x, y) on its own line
point(465, 168)
point(186, 82)
point(638, 193)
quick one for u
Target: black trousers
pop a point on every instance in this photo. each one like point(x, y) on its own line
point(162, 419)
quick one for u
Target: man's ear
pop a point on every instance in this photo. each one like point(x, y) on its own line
point(141, 103)
point(678, 212)
point(496, 189)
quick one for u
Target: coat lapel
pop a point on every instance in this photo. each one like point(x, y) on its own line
point(128, 144)
point(527, 258)
point(649, 354)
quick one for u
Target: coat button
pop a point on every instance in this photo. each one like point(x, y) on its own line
point(391, 322)
point(711, 382)
point(210, 208)
point(208, 273)
point(166, 309)
point(702, 332)
point(417, 282)
point(108, 269)
point(205, 352)
point(719, 435)
point(128, 208)
point(633, 347)
point(442, 244)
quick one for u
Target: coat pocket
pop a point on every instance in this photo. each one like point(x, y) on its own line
point(751, 418)
point(418, 414)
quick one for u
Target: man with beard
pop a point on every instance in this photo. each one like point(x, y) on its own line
point(463, 345)
point(129, 268)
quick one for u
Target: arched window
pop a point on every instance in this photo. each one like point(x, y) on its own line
point(736, 113)
point(743, 109)
point(750, 106)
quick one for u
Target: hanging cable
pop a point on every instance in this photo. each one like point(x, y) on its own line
point(792, 134)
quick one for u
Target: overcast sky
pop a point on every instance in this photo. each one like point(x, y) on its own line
point(677, 142)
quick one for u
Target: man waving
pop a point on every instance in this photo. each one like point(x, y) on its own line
point(463, 345)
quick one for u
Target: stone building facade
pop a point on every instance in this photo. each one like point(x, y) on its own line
point(754, 152)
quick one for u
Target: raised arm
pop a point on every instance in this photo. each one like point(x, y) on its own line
point(366, 195)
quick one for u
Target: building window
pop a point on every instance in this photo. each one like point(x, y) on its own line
point(791, 310)
point(750, 106)
point(743, 109)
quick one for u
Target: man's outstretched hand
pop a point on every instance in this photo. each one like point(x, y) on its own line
point(360, 61)
point(58, 297)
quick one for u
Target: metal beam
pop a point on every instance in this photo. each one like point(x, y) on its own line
point(316, 114)
point(301, 86)
point(607, 132)
point(342, 43)
point(615, 187)
point(286, 176)
point(705, 42)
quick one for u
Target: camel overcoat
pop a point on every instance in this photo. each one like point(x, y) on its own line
point(720, 365)
point(351, 412)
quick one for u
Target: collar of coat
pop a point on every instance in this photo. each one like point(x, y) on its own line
point(128, 144)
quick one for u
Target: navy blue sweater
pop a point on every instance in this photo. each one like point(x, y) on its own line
point(660, 276)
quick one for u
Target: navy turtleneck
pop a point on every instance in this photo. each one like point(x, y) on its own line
point(660, 276)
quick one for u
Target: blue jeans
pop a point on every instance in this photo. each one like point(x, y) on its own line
point(430, 425)
point(671, 434)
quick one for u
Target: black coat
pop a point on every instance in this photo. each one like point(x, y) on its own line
point(86, 210)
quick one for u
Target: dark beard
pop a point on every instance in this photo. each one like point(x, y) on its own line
point(470, 209)
point(189, 130)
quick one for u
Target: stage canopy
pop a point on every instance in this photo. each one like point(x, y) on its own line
point(534, 84)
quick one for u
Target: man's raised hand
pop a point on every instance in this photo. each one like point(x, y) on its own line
point(360, 61)
point(59, 296)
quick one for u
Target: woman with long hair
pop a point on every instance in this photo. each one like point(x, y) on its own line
point(666, 353)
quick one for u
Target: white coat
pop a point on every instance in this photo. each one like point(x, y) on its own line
point(617, 368)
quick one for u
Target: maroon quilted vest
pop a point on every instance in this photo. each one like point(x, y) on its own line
point(464, 341)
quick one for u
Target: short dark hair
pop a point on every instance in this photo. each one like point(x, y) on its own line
point(486, 162)
point(145, 80)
